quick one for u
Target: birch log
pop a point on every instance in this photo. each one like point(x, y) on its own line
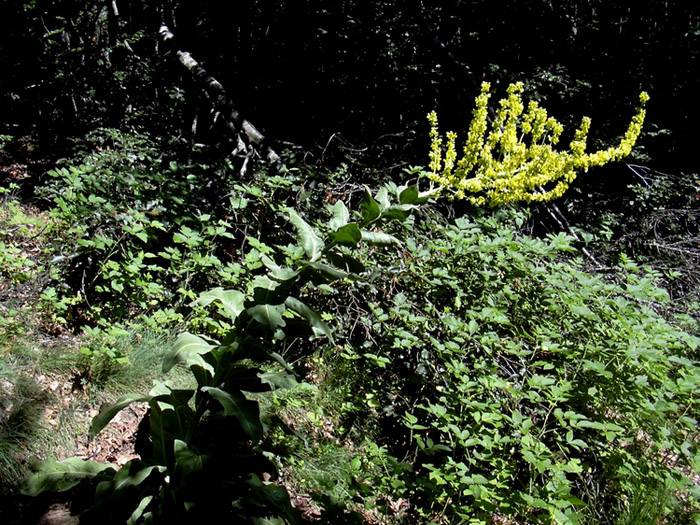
point(222, 103)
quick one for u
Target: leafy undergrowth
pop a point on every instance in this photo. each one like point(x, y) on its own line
point(361, 358)
point(52, 383)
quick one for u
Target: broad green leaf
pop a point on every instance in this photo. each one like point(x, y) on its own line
point(103, 418)
point(538, 381)
point(187, 461)
point(310, 240)
point(400, 212)
point(269, 315)
point(317, 324)
point(279, 273)
point(55, 476)
point(409, 195)
point(161, 388)
point(369, 208)
point(382, 198)
point(278, 380)
point(188, 349)
point(246, 411)
point(132, 474)
point(589, 424)
point(341, 216)
point(231, 301)
point(328, 271)
point(265, 290)
point(136, 515)
point(348, 235)
point(379, 238)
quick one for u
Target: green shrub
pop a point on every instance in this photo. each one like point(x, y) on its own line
point(526, 386)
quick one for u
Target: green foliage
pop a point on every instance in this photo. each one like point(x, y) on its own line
point(516, 160)
point(16, 227)
point(526, 386)
point(205, 456)
point(141, 245)
point(654, 219)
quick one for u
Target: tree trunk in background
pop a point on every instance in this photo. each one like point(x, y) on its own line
point(242, 128)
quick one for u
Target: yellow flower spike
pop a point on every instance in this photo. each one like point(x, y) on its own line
point(516, 159)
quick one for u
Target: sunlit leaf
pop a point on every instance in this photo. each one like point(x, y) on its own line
point(379, 238)
point(409, 195)
point(341, 216)
point(269, 315)
point(348, 235)
point(59, 476)
point(188, 349)
point(309, 239)
point(369, 208)
point(231, 301)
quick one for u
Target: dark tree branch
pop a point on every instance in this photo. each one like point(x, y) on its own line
point(216, 93)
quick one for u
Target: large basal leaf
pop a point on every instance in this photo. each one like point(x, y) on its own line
point(246, 411)
point(103, 418)
point(379, 238)
point(341, 216)
point(265, 290)
point(278, 380)
point(309, 239)
point(329, 272)
point(136, 515)
point(382, 198)
point(188, 349)
point(130, 475)
point(166, 425)
point(409, 195)
point(268, 315)
point(369, 208)
point(317, 324)
point(399, 211)
point(279, 273)
point(348, 235)
point(187, 461)
point(231, 301)
point(59, 476)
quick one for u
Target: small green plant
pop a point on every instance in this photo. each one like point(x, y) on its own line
point(516, 160)
point(16, 227)
point(101, 353)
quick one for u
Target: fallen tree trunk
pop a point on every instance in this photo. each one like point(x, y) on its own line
point(246, 133)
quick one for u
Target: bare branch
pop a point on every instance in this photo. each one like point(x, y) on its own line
point(222, 103)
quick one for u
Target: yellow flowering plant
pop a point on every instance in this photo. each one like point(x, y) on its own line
point(515, 160)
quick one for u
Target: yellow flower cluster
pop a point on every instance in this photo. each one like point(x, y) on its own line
point(516, 159)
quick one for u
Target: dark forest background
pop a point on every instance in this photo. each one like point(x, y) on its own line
point(366, 71)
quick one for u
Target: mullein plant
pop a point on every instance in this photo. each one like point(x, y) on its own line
point(515, 160)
